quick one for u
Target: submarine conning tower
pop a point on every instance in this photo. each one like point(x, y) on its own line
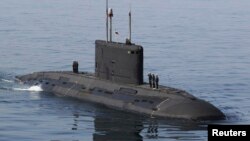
point(119, 62)
point(115, 61)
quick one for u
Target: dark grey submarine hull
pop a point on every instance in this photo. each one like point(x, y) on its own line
point(165, 102)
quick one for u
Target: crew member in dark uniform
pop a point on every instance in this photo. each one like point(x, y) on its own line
point(153, 79)
point(75, 67)
point(150, 79)
point(157, 81)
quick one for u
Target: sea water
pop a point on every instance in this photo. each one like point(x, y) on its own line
point(201, 46)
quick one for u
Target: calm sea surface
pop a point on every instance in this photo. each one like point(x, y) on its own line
point(201, 46)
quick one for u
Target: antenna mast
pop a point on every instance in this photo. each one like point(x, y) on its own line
point(107, 33)
point(110, 14)
point(129, 25)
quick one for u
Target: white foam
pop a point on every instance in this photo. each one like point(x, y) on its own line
point(32, 88)
point(6, 80)
point(35, 88)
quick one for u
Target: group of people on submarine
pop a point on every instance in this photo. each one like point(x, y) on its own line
point(153, 81)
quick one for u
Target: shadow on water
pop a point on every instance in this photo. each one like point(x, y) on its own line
point(112, 125)
point(108, 124)
point(111, 129)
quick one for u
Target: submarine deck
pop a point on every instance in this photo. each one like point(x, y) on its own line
point(162, 91)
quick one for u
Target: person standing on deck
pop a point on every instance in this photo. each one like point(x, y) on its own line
point(157, 81)
point(150, 79)
point(153, 79)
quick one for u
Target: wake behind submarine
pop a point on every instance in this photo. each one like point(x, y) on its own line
point(118, 83)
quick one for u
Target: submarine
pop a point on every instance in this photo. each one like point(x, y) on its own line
point(118, 83)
